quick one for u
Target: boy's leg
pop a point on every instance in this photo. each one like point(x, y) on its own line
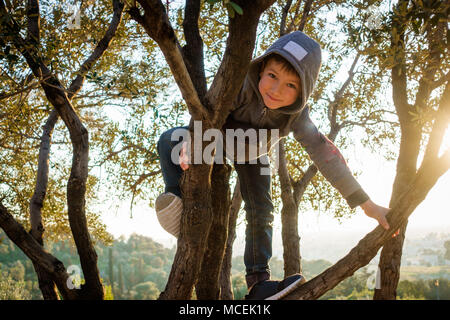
point(171, 172)
point(256, 193)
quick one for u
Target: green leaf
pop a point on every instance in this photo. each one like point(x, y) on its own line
point(237, 8)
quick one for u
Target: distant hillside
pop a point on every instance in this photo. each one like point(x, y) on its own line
point(138, 268)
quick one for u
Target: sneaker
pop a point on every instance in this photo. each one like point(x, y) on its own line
point(168, 208)
point(275, 290)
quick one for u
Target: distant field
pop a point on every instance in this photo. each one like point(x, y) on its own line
point(421, 272)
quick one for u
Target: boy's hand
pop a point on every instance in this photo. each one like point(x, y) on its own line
point(376, 212)
point(184, 160)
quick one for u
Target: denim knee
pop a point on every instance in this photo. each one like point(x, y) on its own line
point(171, 171)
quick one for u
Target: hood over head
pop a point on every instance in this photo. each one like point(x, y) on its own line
point(304, 54)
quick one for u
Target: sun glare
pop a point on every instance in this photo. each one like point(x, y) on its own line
point(445, 141)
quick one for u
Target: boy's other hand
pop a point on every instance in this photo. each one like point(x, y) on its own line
point(184, 160)
point(376, 212)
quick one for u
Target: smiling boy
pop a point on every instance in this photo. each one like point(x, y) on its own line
point(273, 96)
point(279, 86)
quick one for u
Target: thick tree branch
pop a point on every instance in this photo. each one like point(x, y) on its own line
point(289, 219)
point(33, 23)
point(193, 50)
point(398, 73)
point(37, 200)
point(238, 52)
point(156, 23)
point(411, 130)
point(46, 283)
point(411, 136)
point(226, 292)
point(35, 252)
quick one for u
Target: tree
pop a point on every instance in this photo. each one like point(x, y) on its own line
point(191, 249)
point(198, 226)
point(205, 237)
point(416, 29)
point(51, 271)
point(412, 184)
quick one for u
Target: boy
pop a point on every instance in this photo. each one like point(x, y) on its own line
point(273, 96)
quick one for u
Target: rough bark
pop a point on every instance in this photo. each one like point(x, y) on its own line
point(236, 58)
point(289, 220)
point(193, 50)
point(389, 265)
point(46, 284)
point(196, 222)
point(226, 287)
point(208, 285)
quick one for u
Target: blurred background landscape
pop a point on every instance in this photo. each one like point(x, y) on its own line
point(138, 267)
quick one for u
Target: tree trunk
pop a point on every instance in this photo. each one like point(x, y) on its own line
point(59, 97)
point(289, 220)
point(208, 285)
point(212, 110)
point(226, 287)
point(389, 267)
point(46, 284)
point(411, 131)
point(196, 221)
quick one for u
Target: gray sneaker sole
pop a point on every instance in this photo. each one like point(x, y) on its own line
point(279, 295)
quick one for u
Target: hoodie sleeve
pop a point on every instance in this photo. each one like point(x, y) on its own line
point(328, 159)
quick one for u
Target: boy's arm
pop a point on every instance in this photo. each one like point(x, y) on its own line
point(328, 159)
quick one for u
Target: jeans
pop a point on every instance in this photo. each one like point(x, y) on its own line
point(256, 193)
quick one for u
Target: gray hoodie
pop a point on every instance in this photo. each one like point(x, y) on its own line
point(249, 111)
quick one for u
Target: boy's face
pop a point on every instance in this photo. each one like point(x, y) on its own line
point(278, 87)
